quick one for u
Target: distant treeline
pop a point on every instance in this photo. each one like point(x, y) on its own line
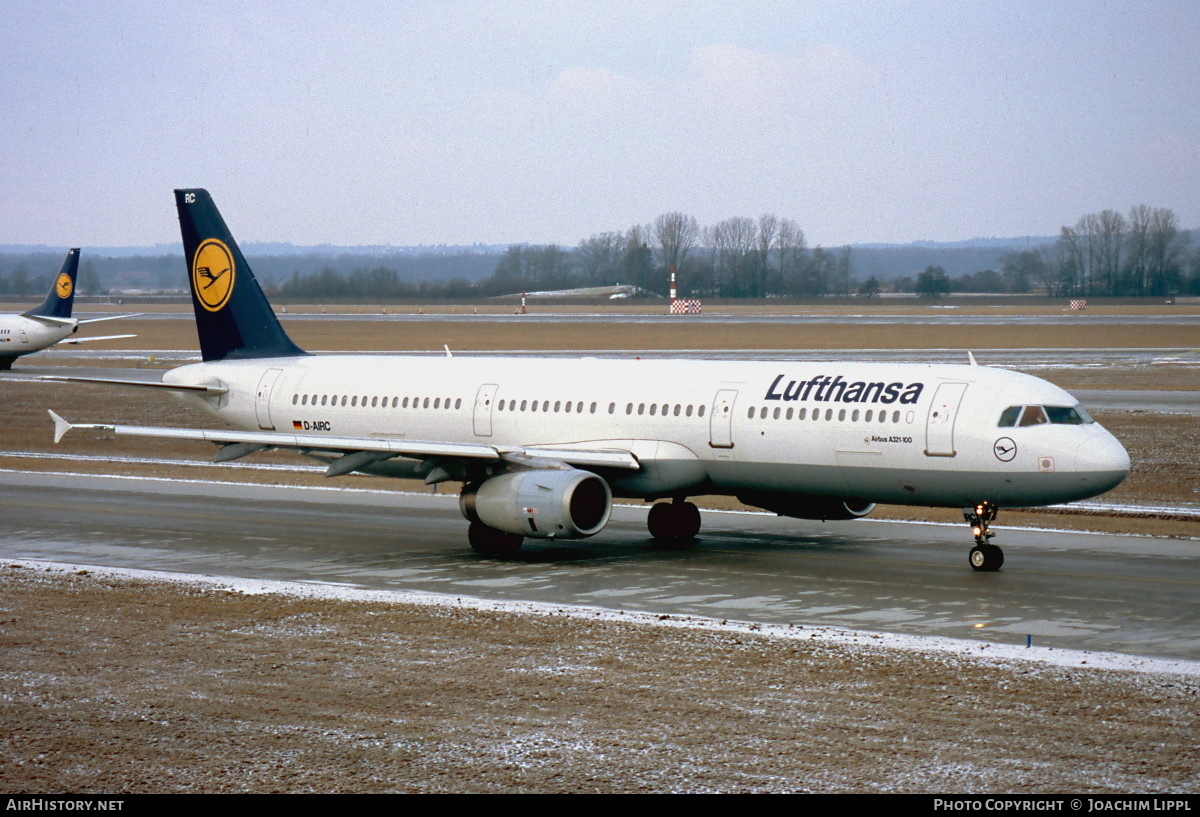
point(1104, 254)
point(31, 273)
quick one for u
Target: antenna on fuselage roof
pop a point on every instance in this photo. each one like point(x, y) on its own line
point(446, 346)
point(971, 357)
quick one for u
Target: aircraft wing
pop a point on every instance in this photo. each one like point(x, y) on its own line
point(359, 451)
point(111, 318)
point(99, 337)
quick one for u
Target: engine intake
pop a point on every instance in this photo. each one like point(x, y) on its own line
point(806, 506)
point(542, 503)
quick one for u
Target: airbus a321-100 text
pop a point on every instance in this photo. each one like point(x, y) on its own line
point(542, 445)
point(50, 322)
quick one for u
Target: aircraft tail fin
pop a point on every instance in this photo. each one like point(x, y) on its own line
point(61, 298)
point(233, 318)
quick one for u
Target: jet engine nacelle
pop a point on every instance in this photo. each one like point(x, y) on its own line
point(543, 503)
point(803, 506)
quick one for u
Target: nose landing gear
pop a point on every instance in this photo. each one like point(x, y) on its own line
point(984, 557)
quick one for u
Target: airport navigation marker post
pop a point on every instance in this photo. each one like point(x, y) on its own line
point(682, 306)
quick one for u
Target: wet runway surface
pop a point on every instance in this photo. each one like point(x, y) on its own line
point(1137, 595)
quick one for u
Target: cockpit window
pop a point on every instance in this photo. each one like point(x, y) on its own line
point(1039, 415)
point(1067, 415)
point(1033, 416)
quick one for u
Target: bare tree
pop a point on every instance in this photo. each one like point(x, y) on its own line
point(1106, 253)
point(636, 262)
point(1021, 268)
point(597, 257)
point(1070, 263)
point(549, 266)
point(732, 242)
point(814, 280)
point(1166, 253)
point(768, 229)
point(1108, 232)
point(843, 271)
point(676, 234)
point(789, 251)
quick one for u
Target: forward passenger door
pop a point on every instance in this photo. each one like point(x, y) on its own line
point(939, 425)
point(720, 421)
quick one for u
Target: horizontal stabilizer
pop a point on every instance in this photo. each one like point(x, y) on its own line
point(49, 320)
point(61, 427)
point(73, 341)
point(111, 318)
point(145, 384)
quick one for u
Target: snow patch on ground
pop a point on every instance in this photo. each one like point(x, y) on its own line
point(859, 639)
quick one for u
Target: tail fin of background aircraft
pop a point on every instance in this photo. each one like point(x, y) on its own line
point(233, 317)
point(62, 292)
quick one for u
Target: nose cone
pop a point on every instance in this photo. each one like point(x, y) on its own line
point(1102, 461)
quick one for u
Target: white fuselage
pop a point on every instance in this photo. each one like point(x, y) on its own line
point(21, 335)
point(889, 433)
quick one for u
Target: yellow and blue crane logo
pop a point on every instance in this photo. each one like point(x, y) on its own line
point(213, 273)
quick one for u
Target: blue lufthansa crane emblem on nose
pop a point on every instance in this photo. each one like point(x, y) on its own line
point(1005, 449)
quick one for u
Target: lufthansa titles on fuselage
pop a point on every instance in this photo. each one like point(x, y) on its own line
point(826, 389)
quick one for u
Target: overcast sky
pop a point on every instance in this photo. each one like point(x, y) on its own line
point(428, 122)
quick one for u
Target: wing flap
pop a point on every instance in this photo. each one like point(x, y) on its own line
point(587, 458)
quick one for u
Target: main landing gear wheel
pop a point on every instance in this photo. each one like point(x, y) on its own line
point(488, 541)
point(984, 557)
point(674, 523)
